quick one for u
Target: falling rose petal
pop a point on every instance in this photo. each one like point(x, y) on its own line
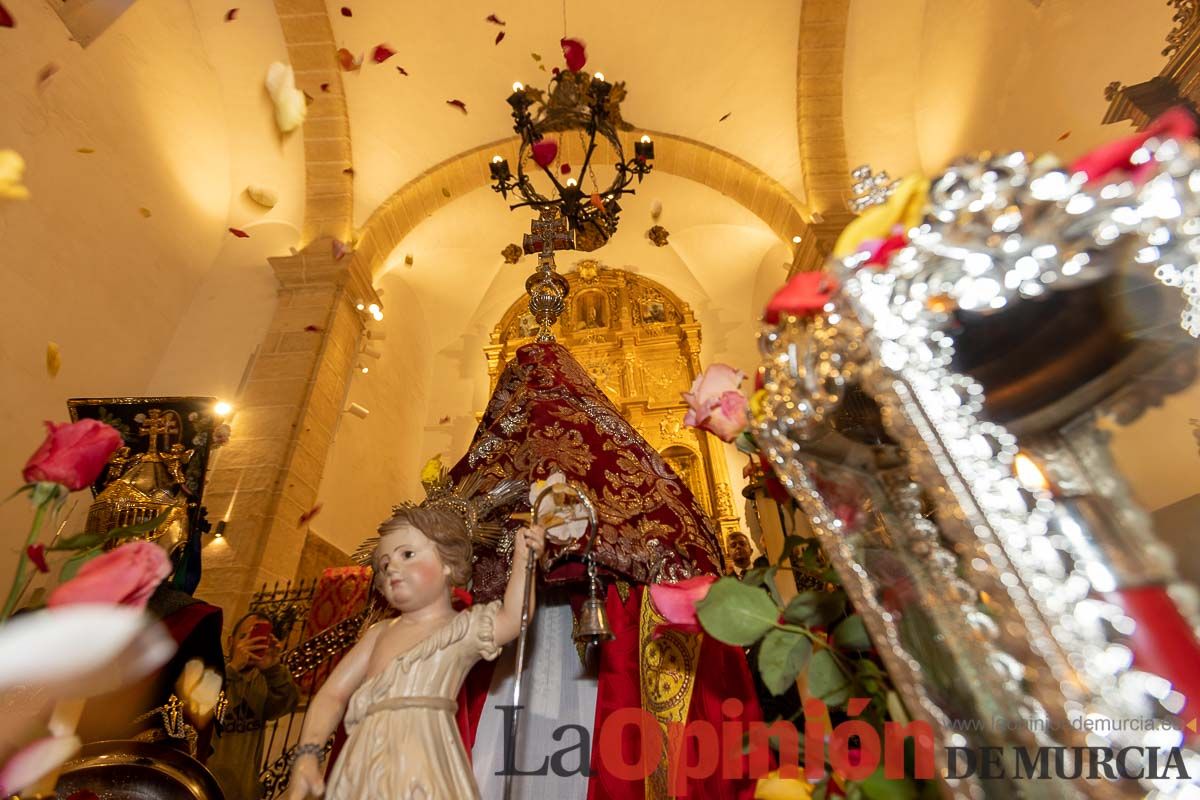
point(348, 171)
point(339, 249)
point(726, 116)
point(544, 151)
point(565, 169)
point(46, 73)
point(6, 19)
point(499, 37)
point(574, 53)
point(12, 167)
point(313, 329)
point(347, 61)
point(445, 192)
point(37, 556)
point(597, 201)
point(402, 70)
point(535, 56)
point(239, 233)
point(87, 151)
point(145, 212)
point(263, 195)
point(1064, 135)
point(459, 104)
point(53, 359)
point(231, 15)
point(324, 87)
point(307, 516)
point(308, 98)
point(291, 105)
point(346, 12)
point(444, 420)
point(382, 53)
point(492, 18)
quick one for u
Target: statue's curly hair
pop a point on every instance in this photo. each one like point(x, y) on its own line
point(448, 532)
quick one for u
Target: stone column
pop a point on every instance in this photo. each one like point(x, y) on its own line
point(268, 476)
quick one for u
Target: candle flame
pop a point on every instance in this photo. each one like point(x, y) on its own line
point(1029, 473)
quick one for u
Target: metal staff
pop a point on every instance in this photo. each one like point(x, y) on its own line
point(592, 633)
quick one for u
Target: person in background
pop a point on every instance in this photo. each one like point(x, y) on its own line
point(740, 554)
point(258, 689)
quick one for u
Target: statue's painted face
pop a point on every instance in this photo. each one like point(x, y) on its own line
point(408, 569)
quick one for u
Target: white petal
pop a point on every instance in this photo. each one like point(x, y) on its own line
point(81, 649)
point(264, 196)
point(34, 761)
point(290, 106)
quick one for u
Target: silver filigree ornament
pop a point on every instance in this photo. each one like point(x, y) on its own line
point(999, 231)
point(1005, 228)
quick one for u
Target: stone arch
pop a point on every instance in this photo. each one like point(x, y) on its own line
point(387, 226)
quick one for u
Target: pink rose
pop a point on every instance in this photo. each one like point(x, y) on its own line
point(126, 576)
point(575, 53)
point(1175, 123)
point(677, 601)
point(715, 404)
point(803, 296)
point(72, 454)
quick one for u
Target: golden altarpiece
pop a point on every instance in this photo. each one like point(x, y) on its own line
point(641, 344)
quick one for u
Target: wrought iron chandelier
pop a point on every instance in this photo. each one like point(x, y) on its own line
point(583, 102)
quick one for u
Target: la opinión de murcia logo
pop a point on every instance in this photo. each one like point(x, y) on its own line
point(738, 750)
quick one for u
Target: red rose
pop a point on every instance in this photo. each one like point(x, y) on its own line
point(37, 554)
point(73, 454)
point(1117, 156)
point(677, 601)
point(574, 52)
point(126, 576)
point(804, 296)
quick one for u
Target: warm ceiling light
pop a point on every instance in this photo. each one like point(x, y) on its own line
point(646, 138)
point(360, 307)
point(518, 86)
point(364, 370)
point(222, 409)
point(599, 76)
point(377, 315)
point(796, 240)
point(496, 159)
point(373, 308)
point(572, 182)
point(1029, 473)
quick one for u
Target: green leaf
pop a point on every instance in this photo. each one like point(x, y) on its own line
point(756, 576)
point(851, 634)
point(814, 608)
point(139, 529)
point(826, 680)
point(878, 787)
point(80, 541)
point(821, 792)
point(781, 656)
point(735, 613)
point(788, 544)
point(72, 564)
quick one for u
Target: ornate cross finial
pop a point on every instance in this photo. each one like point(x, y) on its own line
point(156, 425)
point(547, 289)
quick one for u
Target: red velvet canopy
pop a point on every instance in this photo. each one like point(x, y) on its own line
point(547, 415)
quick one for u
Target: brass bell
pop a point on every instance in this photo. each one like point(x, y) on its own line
point(593, 623)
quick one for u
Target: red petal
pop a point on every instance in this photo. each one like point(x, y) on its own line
point(313, 329)
point(443, 420)
point(575, 53)
point(565, 169)
point(462, 597)
point(324, 87)
point(347, 61)
point(402, 70)
point(1064, 135)
point(492, 18)
point(544, 151)
point(346, 12)
point(348, 171)
point(382, 53)
point(239, 233)
point(725, 116)
point(499, 37)
point(308, 515)
point(37, 554)
point(231, 15)
point(804, 295)
point(6, 19)
point(459, 104)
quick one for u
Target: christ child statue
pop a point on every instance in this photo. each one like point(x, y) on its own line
point(397, 687)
